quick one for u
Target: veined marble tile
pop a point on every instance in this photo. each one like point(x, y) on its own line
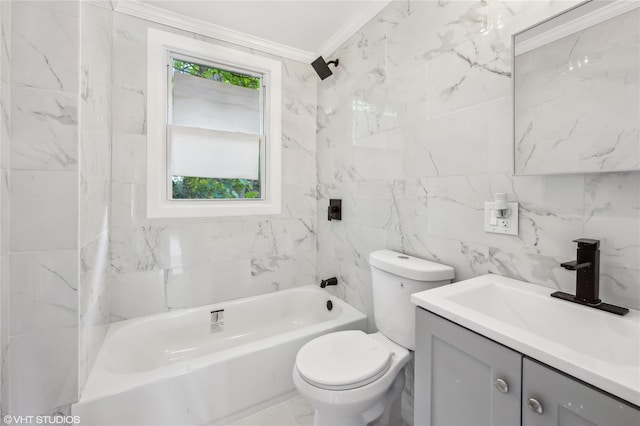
point(456, 207)
point(298, 106)
point(500, 123)
point(67, 7)
point(471, 73)
point(299, 201)
point(298, 166)
point(5, 122)
point(282, 237)
point(96, 106)
point(44, 291)
point(392, 103)
point(43, 371)
point(620, 286)
point(612, 215)
point(5, 41)
point(459, 150)
point(94, 271)
point(537, 269)
point(301, 411)
point(129, 110)
point(44, 210)
point(138, 293)
point(94, 207)
point(129, 162)
point(129, 47)
point(361, 57)
point(210, 283)
point(379, 156)
point(44, 47)
point(44, 134)
point(93, 328)
point(96, 46)
point(4, 212)
point(277, 415)
point(5, 361)
point(95, 152)
point(439, 26)
point(280, 272)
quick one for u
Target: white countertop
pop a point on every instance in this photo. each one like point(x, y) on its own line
point(597, 347)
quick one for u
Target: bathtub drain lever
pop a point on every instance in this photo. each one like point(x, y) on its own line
point(217, 320)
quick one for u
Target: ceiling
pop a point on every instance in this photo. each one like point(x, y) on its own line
point(305, 28)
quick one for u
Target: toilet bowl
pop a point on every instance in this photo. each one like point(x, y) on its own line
point(345, 391)
point(352, 378)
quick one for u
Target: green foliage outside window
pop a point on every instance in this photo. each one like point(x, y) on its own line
point(186, 187)
point(216, 74)
point(190, 187)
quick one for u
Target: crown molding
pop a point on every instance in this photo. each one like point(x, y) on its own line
point(175, 20)
point(598, 13)
point(353, 26)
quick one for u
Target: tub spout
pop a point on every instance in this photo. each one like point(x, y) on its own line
point(328, 281)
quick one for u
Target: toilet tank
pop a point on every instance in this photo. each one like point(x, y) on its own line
point(395, 277)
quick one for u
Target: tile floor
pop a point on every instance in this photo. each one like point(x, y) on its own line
point(294, 412)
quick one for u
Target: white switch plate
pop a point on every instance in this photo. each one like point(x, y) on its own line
point(508, 226)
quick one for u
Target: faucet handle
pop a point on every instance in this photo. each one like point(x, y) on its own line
point(587, 243)
point(574, 265)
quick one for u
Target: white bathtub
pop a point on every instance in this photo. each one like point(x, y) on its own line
point(172, 369)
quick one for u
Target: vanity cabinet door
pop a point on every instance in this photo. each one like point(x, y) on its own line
point(462, 378)
point(552, 398)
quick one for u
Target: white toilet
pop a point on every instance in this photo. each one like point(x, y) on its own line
point(353, 378)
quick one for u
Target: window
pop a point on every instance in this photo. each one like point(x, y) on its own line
point(213, 146)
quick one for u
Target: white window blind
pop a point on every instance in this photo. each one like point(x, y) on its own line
point(209, 104)
point(216, 131)
point(213, 154)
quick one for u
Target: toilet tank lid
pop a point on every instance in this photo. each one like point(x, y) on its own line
point(410, 267)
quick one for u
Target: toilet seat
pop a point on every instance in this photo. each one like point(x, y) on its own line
point(343, 360)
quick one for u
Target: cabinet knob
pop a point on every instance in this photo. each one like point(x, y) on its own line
point(501, 385)
point(535, 406)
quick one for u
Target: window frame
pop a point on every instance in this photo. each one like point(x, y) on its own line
point(161, 47)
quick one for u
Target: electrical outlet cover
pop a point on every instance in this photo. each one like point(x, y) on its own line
point(496, 225)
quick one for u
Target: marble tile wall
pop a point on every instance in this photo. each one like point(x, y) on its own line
point(5, 41)
point(159, 265)
point(414, 134)
point(40, 252)
point(96, 21)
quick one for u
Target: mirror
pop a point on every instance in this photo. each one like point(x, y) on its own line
point(576, 91)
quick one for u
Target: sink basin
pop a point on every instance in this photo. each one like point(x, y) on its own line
point(595, 346)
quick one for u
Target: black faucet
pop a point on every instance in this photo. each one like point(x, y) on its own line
point(587, 267)
point(328, 281)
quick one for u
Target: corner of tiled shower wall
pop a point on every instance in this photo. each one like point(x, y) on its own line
point(96, 22)
point(415, 134)
point(159, 265)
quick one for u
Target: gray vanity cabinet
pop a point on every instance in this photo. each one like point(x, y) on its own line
point(463, 378)
point(552, 398)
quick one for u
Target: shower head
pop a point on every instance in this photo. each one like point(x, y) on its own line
point(322, 67)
